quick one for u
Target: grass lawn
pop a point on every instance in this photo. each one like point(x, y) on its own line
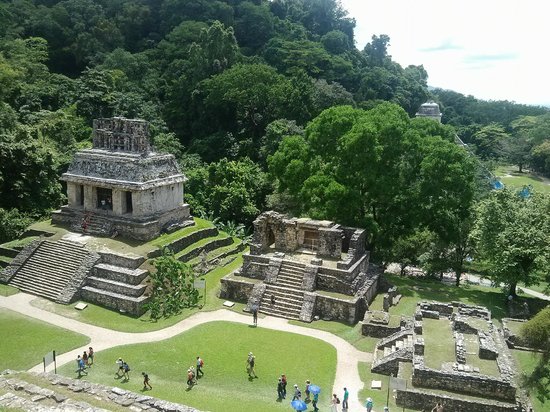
point(7, 290)
point(99, 316)
point(510, 176)
point(439, 342)
point(351, 334)
point(19, 243)
point(225, 386)
point(29, 340)
point(527, 362)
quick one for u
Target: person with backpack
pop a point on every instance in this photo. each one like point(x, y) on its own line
point(191, 377)
point(90, 356)
point(369, 404)
point(335, 401)
point(307, 390)
point(200, 364)
point(297, 393)
point(81, 367)
point(280, 389)
point(126, 368)
point(283, 380)
point(120, 372)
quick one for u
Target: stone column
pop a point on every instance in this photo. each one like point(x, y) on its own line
point(137, 200)
point(118, 202)
point(73, 193)
point(90, 197)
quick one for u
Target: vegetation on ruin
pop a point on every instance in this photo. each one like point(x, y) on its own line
point(26, 340)
point(166, 362)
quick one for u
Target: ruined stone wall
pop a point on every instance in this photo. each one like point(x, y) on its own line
point(330, 242)
point(460, 382)
point(444, 309)
point(425, 400)
point(254, 267)
point(159, 199)
point(331, 308)
point(236, 290)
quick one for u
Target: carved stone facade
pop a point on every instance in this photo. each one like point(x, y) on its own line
point(120, 186)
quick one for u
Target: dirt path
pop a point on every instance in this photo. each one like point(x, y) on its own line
point(347, 371)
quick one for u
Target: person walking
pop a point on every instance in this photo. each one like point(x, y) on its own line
point(90, 356)
point(126, 368)
point(438, 407)
point(297, 393)
point(280, 389)
point(200, 364)
point(81, 366)
point(283, 379)
point(120, 372)
point(369, 404)
point(345, 400)
point(85, 358)
point(314, 402)
point(146, 383)
point(251, 363)
point(307, 390)
point(190, 377)
point(334, 403)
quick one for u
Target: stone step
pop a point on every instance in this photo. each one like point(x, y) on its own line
point(398, 344)
point(36, 289)
point(129, 261)
point(290, 263)
point(31, 278)
point(280, 313)
point(291, 272)
point(53, 265)
point(117, 287)
point(289, 282)
point(119, 274)
point(116, 301)
point(278, 290)
point(387, 351)
point(289, 304)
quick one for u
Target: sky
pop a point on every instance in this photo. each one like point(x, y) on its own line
point(491, 49)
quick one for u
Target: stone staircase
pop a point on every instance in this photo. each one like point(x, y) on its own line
point(396, 348)
point(118, 283)
point(50, 269)
point(97, 225)
point(291, 274)
point(288, 302)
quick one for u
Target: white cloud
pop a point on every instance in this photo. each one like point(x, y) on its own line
point(492, 49)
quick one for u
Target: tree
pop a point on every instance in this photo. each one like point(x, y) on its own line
point(512, 236)
point(540, 157)
point(172, 285)
point(536, 333)
point(488, 140)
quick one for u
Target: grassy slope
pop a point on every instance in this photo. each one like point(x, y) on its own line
point(29, 340)
point(6, 290)
point(224, 347)
point(527, 362)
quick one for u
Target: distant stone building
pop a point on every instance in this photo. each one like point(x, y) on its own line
point(121, 186)
point(431, 110)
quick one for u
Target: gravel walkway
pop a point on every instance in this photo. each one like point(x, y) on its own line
point(347, 371)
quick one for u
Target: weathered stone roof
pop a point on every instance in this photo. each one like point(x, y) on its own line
point(125, 170)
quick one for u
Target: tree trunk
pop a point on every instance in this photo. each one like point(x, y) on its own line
point(513, 289)
point(458, 274)
point(520, 168)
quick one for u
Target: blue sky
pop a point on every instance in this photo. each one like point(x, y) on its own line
point(494, 50)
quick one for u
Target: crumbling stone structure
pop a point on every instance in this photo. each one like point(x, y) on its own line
point(121, 187)
point(298, 259)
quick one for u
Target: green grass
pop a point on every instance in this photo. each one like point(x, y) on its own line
point(5, 259)
point(510, 176)
point(167, 238)
point(542, 287)
point(7, 290)
point(99, 316)
point(225, 386)
point(527, 362)
point(25, 340)
point(200, 244)
point(19, 243)
point(439, 342)
point(416, 289)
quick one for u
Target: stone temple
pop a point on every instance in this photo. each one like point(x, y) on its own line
point(430, 110)
point(299, 268)
point(121, 186)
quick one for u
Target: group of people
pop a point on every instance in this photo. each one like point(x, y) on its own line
point(85, 361)
point(123, 369)
point(194, 374)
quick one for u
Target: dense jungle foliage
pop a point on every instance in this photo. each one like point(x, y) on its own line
point(266, 104)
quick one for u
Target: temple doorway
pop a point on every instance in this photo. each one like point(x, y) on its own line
point(104, 199)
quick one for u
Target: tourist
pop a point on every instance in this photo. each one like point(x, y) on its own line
point(297, 393)
point(369, 404)
point(307, 390)
point(126, 368)
point(81, 366)
point(190, 377)
point(334, 403)
point(438, 407)
point(146, 383)
point(315, 400)
point(345, 400)
point(250, 364)
point(85, 358)
point(280, 389)
point(255, 314)
point(120, 370)
point(200, 364)
point(283, 379)
point(90, 356)
point(272, 299)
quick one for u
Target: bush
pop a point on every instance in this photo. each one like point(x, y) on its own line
point(12, 224)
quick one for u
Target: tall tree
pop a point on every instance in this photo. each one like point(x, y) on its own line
point(513, 237)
